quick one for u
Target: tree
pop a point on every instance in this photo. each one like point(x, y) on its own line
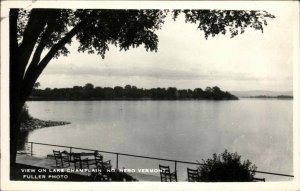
point(118, 91)
point(217, 93)
point(108, 93)
point(88, 90)
point(172, 93)
point(36, 85)
point(88, 87)
point(198, 93)
point(226, 167)
point(39, 32)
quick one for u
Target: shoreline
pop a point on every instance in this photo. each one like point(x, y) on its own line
point(138, 99)
point(33, 123)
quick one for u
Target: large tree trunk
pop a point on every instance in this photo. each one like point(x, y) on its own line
point(17, 101)
point(19, 58)
point(14, 86)
point(21, 82)
point(15, 110)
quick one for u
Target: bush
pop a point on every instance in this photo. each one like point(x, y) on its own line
point(114, 176)
point(226, 167)
point(25, 114)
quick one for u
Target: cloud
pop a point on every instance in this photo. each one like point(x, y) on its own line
point(157, 73)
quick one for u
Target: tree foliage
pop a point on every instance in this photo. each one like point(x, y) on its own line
point(214, 22)
point(226, 167)
point(131, 28)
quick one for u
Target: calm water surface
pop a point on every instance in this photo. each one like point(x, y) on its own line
point(259, 130)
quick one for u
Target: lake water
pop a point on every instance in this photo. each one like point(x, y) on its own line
point(259, 130)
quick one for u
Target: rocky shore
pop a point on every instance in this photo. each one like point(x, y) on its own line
point(33, 123)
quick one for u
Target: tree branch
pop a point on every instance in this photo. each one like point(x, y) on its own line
point(31, 78)
point(59, 45)
point(36, 24)
point(43, 42)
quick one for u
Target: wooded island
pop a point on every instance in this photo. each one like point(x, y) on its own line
point(89, 92)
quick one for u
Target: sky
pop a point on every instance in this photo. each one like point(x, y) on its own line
point(185, 59)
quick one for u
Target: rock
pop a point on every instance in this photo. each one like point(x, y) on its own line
point(33, 123)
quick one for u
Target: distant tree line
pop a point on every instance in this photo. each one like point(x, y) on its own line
point(276, 97)
point(89, 92)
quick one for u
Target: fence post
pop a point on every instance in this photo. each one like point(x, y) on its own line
point(117, 161)
point(31, 148)
point(70, 149)
point(175, 169)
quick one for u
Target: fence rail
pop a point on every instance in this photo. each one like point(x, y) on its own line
point(140, 156)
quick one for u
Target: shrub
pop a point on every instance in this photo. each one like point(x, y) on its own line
point(226, 167)
point(25, 114)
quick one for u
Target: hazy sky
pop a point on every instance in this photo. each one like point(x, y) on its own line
point(185, 59)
